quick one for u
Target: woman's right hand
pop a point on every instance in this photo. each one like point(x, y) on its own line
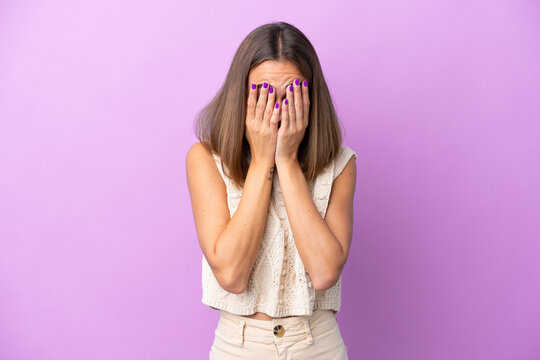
point(262, 123)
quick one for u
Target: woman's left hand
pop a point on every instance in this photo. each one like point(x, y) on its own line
point(294, 121)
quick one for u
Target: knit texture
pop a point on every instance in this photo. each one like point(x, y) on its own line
point(278, 284)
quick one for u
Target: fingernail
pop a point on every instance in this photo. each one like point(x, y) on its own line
point(286, 101)
point(271, 90)
point(253, 86)
point(296, 82)
point(305, 83)
point(265, 85)
point(290, 88)
point(277, 105)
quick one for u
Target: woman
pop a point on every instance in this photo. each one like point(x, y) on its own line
point(272, 191)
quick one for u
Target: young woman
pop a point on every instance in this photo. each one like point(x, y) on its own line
point(272, 191)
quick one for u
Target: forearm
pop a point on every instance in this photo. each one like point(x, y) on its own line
point(318, 248)
point(239, 242)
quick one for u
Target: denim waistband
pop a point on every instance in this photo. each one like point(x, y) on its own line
point(236, 328)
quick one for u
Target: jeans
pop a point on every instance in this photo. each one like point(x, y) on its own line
point(298, 337)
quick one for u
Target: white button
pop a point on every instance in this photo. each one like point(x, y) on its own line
point(309, 284)
point(283, 272)
point(281, 301)
point(282, 287)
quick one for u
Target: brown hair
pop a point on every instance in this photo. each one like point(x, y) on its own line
point(220, 125)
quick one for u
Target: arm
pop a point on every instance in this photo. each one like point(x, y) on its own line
point(323, 244)
point(230, 245)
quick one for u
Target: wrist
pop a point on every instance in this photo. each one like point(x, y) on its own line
point(287, 162)
point(263, 165)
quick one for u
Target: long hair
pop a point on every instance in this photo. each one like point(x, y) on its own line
point(220, 125)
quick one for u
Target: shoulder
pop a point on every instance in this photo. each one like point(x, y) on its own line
point(345, 161)
point(344, 183)
point(201, 165)
point(197, 152)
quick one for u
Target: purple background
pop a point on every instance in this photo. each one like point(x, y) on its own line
point(441, 100)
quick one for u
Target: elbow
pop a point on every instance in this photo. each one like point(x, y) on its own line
point(236, 288)
point(326, 281)
point(231, 283)
point(330, 275)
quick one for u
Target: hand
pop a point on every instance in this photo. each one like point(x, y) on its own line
point(294, 121)
point(262, 123)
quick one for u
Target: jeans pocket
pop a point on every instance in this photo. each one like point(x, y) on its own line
point(227, 339)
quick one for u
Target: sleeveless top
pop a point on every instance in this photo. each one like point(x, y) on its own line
point(278, 284)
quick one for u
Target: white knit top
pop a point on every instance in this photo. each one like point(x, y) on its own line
point(278, 284)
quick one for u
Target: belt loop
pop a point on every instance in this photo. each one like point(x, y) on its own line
point(242, 333)
point(308, 330)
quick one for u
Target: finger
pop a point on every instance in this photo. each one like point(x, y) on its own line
point(290, 107)
point(269, 111)
point(275, 115)
point(259, 86)
point(261, 102)
point(285, 115)
point(305, 100)
point(251, 101)
point(298, 105)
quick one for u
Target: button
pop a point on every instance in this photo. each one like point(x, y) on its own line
point(279, 330)
point(284, 272)
point(282, 287)
point(309, 284)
